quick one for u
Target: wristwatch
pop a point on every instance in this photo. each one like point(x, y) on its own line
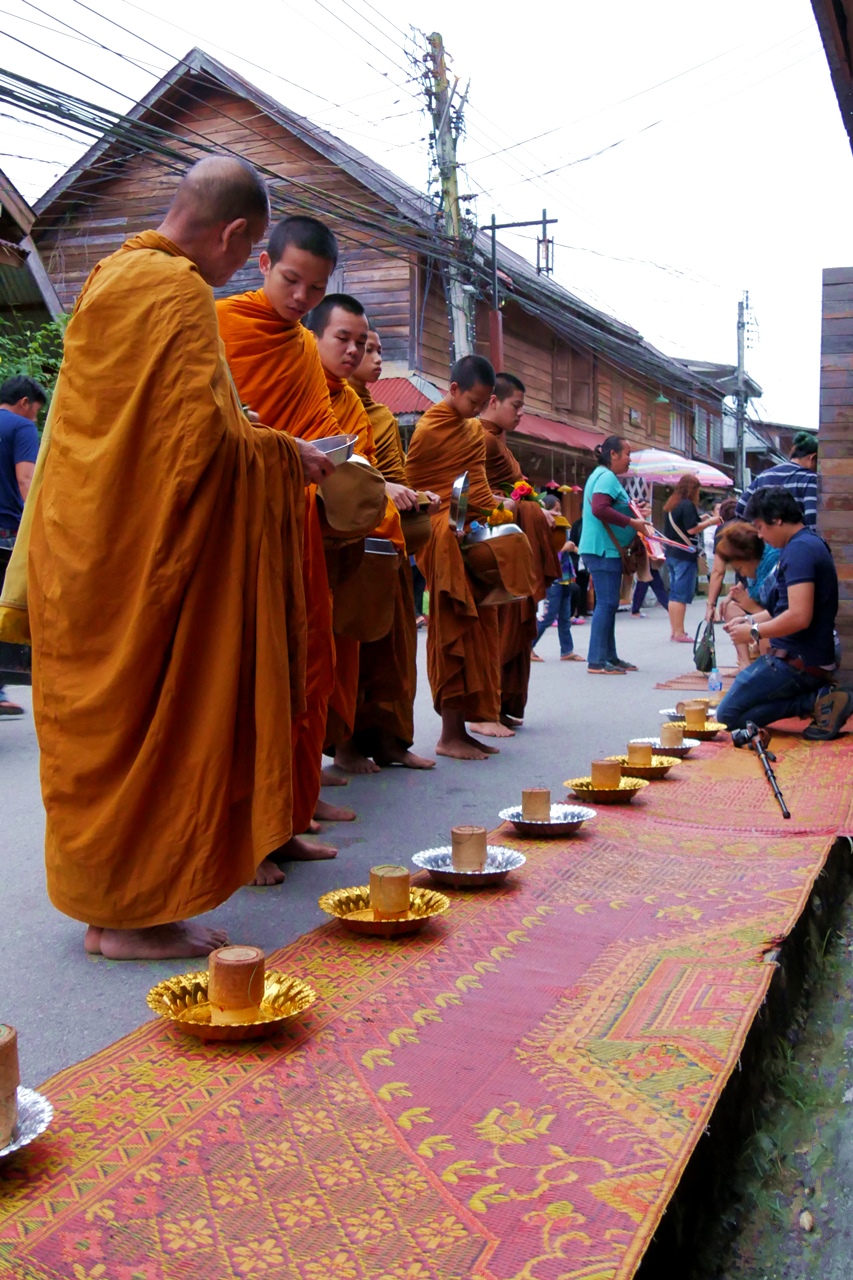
point(754, 633)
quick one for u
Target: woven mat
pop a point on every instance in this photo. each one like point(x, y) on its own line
point(513, 1094)
point(694, 680)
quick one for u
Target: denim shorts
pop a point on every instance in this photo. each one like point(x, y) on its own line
point(683, 577)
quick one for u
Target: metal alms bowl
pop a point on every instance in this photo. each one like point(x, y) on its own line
point(486, 532)
point(379, 547)
point(565, 820)
point(35, 1113)
point(183, 1001)
point(677, 753)
point(337, 449)
point(499, 862)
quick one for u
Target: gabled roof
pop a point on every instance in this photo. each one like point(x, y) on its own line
point(723, 376)
point(569, 316)
point(16, 216)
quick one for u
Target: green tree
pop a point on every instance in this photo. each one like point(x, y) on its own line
point(35, 350)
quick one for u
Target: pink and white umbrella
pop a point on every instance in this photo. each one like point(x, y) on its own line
point(657, 466)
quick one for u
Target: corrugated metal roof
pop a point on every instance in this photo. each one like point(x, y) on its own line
point(406, 395)
point(554, 432)
point(18, 288)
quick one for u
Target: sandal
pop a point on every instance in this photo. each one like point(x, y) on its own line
point(571, 657)
point(534, 657)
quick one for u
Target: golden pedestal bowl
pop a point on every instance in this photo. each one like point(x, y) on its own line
point(623, 794)
point(352, 907)
point(183, 1001)
point(659, 767)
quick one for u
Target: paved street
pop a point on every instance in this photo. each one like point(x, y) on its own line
point(67, 1005)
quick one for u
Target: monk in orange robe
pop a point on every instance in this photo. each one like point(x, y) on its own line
point(463, 650)
point(163, 590)
point(340, 326)
point(517, 620)
point(387, 668)
point(276, 365)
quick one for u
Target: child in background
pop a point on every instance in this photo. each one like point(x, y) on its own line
point(559, 604)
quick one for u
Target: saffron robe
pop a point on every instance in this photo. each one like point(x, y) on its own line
point(517, 620)
point(165, 605)
point(387, 668)
point(278, 373)
point(353, 420)
point(463, 655)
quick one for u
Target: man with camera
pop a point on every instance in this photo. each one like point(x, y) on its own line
point(795, 677)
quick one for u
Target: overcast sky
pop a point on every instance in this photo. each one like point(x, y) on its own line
point(723, 163)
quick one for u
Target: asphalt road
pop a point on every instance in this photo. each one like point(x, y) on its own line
point(67, 1005)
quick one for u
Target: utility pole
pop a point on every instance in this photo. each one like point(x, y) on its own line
point(445, 132)
point(496, 320)
point(740, 420)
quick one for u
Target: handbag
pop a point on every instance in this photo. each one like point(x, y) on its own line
point(631, 556)
point(704, 648)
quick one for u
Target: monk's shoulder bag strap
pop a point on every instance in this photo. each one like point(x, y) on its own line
point(704, 648)
point(630, 555)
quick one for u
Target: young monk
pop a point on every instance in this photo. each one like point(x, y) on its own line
point(161, 542)
point(340, 326)
point(387, 668)
point(463, 656)
point(517, 620)
point(276, 366)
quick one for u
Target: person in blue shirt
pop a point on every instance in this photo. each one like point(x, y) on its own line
point(799, 477)
point(608, 524)
point(21, 400)
point(795, 676)
point(560, 599)
point(755, 563)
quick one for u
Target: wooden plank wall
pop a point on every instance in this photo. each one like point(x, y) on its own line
point(835, 508)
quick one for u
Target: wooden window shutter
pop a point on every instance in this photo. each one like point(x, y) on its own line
point(562, 393)
point(581, 384)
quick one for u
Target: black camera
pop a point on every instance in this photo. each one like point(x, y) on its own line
point(743, 737)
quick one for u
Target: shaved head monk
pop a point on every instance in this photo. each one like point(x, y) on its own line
point(164, 591)
point(387, 668)
point(463, 656)
point(340, 326)
point(276, 365)
point(517, 620)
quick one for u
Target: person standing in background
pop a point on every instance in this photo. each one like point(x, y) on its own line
point(799, 477)
point(683, 523)
point(21, 401)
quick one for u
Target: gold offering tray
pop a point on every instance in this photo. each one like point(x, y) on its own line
point(183, 1000)
point(659, 767)
point(710, 731)
point(623, 794)
point(352, 907)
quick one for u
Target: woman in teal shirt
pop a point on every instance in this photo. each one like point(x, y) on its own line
point(606, 509)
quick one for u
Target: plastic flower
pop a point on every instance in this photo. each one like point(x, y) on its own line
point(522, 491)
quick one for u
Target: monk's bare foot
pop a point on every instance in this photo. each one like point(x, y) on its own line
point(299, 850)
point(481, 746)
point(408, 759)
point(313, 828)
point(460, 749)
point(161, 942)
point(492, 729)
point(329, 779)
point(326, 812)
point(92, 940)
point(352, 761)
point(266, 874)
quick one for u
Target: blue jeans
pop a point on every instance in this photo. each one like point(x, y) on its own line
point(683, 577)
point(607, 579)
point(769, 689)
point(640, 589)
point(558, 604)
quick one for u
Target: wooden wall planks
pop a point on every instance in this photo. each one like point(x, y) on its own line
point(835, 510)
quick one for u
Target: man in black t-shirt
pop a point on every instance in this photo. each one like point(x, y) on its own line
point(795, 677)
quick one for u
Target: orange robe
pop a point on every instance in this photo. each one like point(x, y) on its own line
point(278, 373)
point(165, 603)
point(353, 420)
point(517, 621)
point(463, 654)
point(387, 668)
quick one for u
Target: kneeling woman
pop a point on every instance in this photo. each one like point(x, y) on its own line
point(794, 677)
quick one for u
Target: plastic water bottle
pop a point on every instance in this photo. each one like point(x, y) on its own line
point(715, 687)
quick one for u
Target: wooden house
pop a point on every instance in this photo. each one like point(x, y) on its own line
point(587, 374)
point(27, 297)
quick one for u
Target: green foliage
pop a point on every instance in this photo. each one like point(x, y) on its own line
point(35, 350)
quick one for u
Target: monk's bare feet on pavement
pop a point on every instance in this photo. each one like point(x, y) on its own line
point(391, 751)
point(492, 729)
point(456, 742)
point(160, 942)
point(326, 812)
point(266, 874)
point(329, 779)
point(352, 761)
point(298, 849)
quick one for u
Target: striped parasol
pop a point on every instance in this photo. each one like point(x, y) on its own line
point(657, 466)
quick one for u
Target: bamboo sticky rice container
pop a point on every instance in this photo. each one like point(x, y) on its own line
point(389, 892)
point(694, 717)
point(10, 1078)
point(671, 735)
point(468, 848)
point(606, 774)
point(640, 753)
point(536, 804)
point(235, 985)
